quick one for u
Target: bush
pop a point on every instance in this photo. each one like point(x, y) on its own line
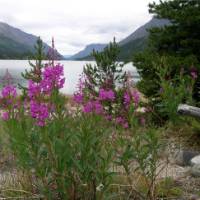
point(105, 89)
point(68, 157)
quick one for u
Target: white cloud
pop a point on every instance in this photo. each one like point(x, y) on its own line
point(75, 23)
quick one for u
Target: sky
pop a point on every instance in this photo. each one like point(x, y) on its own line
point(76, 23)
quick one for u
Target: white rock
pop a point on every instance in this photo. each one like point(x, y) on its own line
point(195, 160)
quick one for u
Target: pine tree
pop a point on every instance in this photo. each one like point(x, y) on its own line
point(35, 73)
point(178, 42)
point(107, 72)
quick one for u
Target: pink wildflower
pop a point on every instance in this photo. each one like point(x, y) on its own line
point(9, 91)
point(142, 121)
point(33, 89)
point(78, 98)
point(98, 108)
point(127, 99)
point(108, 117)
point(106, 95)
point(88, 107)
point(193, 73)
point(52, 78)
point(39, 111)
point(5, 116)
point(136, 97)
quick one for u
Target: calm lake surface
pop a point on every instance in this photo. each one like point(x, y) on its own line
point(72, 71)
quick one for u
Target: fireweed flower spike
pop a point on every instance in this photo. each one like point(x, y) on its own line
point(136, 97)
point(5, 116)
point(9, 103)
point(106, 95)
point(9, 91)
point(33, 89)
point(40, 112)
point(78, 98)
point(127, 99)
point(52, 79)
point(88, 107)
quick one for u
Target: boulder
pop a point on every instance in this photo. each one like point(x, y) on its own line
point(183, 158)
point(195, 160)
point(195, 170)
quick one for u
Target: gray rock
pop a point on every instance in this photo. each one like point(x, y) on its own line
point(183, 158)
point(195, 170)
point(195, 160)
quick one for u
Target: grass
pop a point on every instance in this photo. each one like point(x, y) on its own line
point(16, 184)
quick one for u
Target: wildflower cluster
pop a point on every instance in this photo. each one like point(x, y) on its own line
point(79, 95)
point(8, 101)
point(131, 96)
point(106, 94)
point(108, 102)
point(52, 79)
point(9, 91)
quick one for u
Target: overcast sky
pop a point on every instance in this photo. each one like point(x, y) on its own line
point(76, 23)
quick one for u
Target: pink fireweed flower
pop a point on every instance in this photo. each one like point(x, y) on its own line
point(52, 78)
point(5, 116)
point(127, 98)
point(33, 89)
point(108, 117)
point(136, 97)
point(122, 121)
point(125, 125)
point(106, 95)
point(9, 91)
point(78, 98)
point(119, 120)
point(132, 96)
point(193, 75)
point(93, 106)
point(39, 111)
point(142, 121)
point(88, 107)
point(98, 108)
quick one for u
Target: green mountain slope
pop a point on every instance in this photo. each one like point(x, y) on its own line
point(136, 41)
point(10, 49)
point(127, 50)
point(17, 44)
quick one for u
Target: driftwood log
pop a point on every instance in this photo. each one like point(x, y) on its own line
point(185, 109)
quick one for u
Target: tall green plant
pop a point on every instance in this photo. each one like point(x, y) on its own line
point(173, 91)
point(107, 72)
point(68, 157)
point(140, 156)
point(35, 72)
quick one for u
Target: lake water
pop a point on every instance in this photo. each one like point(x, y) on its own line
point(72, 71)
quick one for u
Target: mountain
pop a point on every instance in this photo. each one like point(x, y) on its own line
point(16, 44)
point(142, 32)
point(87, 51)
point(136, 41)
